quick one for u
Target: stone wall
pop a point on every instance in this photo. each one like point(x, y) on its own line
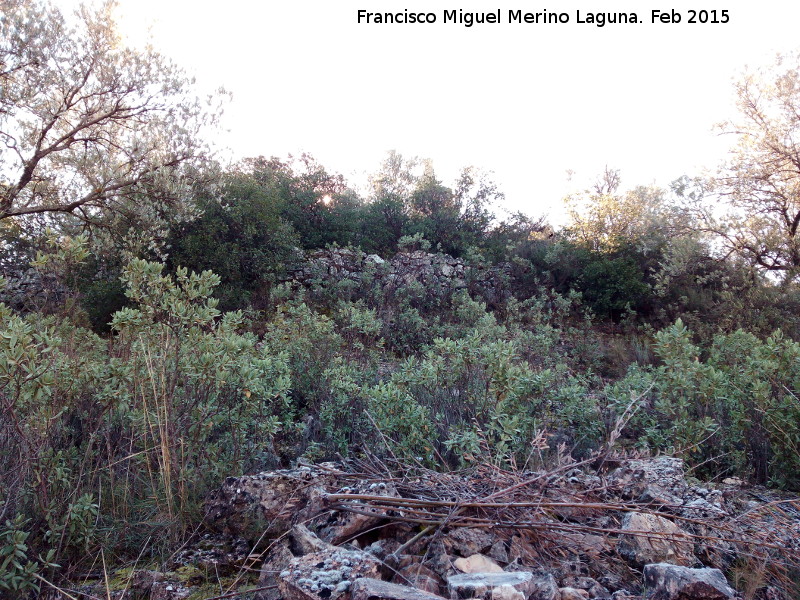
point(404, 268)
point(29, 290)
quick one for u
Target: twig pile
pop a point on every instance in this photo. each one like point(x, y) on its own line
point(556, 510)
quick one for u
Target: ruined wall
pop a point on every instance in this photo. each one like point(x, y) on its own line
point(404, 268)
point(28, 290)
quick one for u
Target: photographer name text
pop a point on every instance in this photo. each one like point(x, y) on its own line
point(544, 17)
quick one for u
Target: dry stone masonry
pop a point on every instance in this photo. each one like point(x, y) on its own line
point(631, 530)
point(405, 268)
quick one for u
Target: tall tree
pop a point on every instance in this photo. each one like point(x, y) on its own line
point(761, 178)
point(87, 125)
point(604, 218)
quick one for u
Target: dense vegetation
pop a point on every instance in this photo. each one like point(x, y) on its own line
point(176, 349)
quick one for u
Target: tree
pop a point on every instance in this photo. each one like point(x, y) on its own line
point(317, 204)
point(240, 236)
point(88, 126)
point(604, 218)
point(761, 179)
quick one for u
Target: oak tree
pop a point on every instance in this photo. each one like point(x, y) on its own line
point(761, 179)
point(89, 126)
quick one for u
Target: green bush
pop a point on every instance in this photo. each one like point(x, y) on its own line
point(730, 409)
point(116, 431)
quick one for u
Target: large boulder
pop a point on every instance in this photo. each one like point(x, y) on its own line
point(671, 582)
point(653, 539)
point(269, 503)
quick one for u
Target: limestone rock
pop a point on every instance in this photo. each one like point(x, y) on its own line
point(303, 541)
point(670, 582)
point(507, 592)
point(214, 553)
point(499, 552)
point(327, 574)
point(374, 589)
point(525, 586)
point(343, 526)
point(421, 577)
point(477, 563)
point(269, 502)
point(651, 479)
point(278, 558)
point(654, 539)
point(466, 541)
point(592, 587)
point(569, 593)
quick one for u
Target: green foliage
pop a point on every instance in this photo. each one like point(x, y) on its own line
point(18, 573)
point(732, 408)
point(178, 397)
point(612, 286)
point(240, 236)
point(639, 338)
point(474, 393)
point(196, 383)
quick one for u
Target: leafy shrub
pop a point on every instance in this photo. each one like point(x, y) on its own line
point(733, 408)
point(105, 432)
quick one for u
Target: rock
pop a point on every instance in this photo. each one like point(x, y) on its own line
point(381, 549)
point(477, 563)
point(657, 540)
point(439, 560)
point(654, 478)
point(589, 544)
point(544, 587)
point(612, 581)
point(344, 525)
point(498, 552)
point(525, 586)
point(659, 496)
point(269, 503)
point(405, 268)
point(303, 541)
point(733, 481)
point(300, 542)
point(569, 593)
point(670, 582)
point(701, 507)
point(420, 577)
point(466, 541)
point(278, 558)
point(591, 586)
point(214, 553)
point(374, 589)
point(573, 568)
point(327, 574)
point(507, 592)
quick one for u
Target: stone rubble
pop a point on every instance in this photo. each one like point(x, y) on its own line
point(429, 269)
point(670, 582)
point(308, 548)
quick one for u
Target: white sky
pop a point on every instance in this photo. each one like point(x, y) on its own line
point(527, 102)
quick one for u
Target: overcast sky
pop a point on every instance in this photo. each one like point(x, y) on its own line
point(526, 101)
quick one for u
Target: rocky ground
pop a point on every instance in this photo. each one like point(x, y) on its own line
point(621, 529)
